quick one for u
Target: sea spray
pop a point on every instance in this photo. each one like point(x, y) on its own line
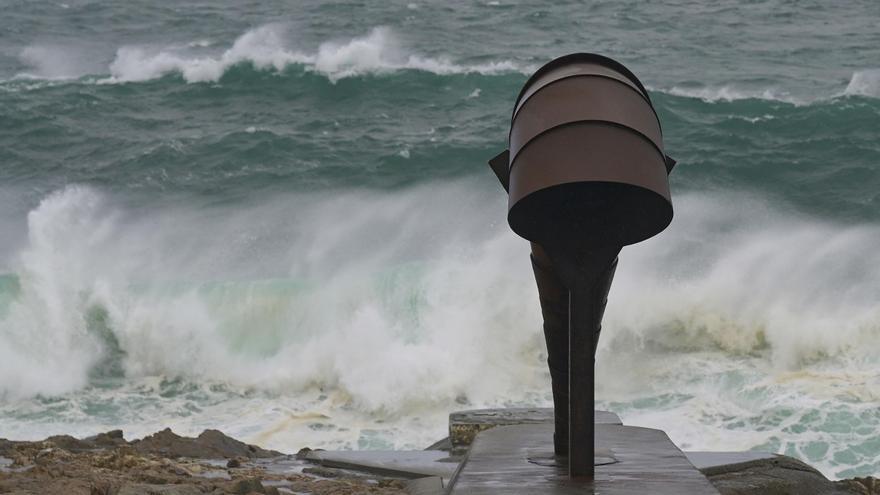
point(864, 83)
point(185, 299)
point(46, 346)
point(800, 288)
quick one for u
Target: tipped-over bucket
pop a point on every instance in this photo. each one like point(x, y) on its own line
point(586, 175)
point(586, 161)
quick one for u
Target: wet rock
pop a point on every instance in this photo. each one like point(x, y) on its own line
point(324, 472)
point(247, 486)
point(105, 487)
point(145, 489)
point(211, 444)
point(780, 475)
point(107, 439)
point(250, 486)
point(165, 464)
point(6, 447)
point(70, 443)
point(303, 453)
point(863, 486)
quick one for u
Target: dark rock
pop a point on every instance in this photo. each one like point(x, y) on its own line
point(303, 453)
point(863, 486)
point(232, 447)
point(70, 444)
point(144, 489)
point(153, 477)
point(323, 472)
point(233, 463)
point(157, 465)
point(211, 444)
point(6, 446)
point(780, 475)
point(246, 486)
point(107, 439)
point(392, 483)
point(104, 487)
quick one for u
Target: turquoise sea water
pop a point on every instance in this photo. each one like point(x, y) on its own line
point(276, 219)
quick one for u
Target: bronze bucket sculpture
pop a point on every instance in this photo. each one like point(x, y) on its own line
point(586, 174)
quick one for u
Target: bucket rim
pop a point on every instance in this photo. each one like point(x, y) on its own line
point(583, 57)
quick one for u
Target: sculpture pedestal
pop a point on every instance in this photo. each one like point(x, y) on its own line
point(500, 461)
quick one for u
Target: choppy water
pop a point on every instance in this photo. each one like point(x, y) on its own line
point(277, 220)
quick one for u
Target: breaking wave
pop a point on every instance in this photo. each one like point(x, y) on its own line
point(388, 299)
point(734, 275)
point(417, 302)
point(730, 93)
point(265, 299)
point(864, 83)
point(265, 48)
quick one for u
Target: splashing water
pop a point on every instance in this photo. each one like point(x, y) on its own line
point(384, 307)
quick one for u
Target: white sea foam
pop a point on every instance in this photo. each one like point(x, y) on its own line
point(740, 277)
point(56, 62)
point(730, 93)
point(726, 277)
point(263, 47)
point(46, 348)
point(861, 83)
point(352, 330)
point(864, 83)
point(266, 48)
point(366, 307)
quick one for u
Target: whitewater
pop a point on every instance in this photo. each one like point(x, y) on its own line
point(370, 321)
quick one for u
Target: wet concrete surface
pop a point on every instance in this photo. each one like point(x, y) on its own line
point(405, 464)
point(647, 463)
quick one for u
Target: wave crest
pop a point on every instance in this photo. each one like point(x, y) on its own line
point(45, 343)
point(284, 303)
point(861, 83)
point(355, 294)
point(796, 290)
point(730, 93)
point(376, 53)
point(864, 83)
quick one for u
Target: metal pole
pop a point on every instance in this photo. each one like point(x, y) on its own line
point(587, 272)
point(582, 307)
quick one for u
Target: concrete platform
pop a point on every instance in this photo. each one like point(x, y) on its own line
point(648, 463)
point(464, 425)
point(410, 464)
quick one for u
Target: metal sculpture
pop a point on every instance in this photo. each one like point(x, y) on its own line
point(586, 174)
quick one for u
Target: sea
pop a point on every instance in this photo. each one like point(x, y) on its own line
point(276, 219)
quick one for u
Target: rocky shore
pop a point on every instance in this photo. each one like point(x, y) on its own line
point(168, 464)
point(212, 463)
point(783, 475)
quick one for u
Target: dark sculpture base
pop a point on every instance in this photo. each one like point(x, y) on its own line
point(601, 457)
